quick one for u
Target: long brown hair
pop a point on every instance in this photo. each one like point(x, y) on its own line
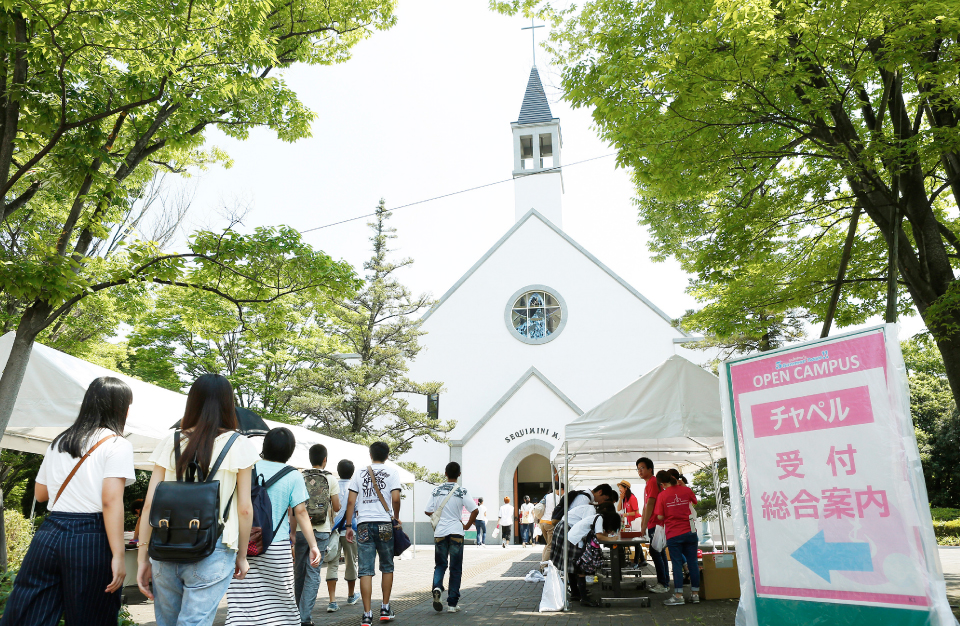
point(210, 409)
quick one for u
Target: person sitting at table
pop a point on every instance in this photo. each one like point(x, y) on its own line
point(629, 510)
point(673, 509)
point(605, 523)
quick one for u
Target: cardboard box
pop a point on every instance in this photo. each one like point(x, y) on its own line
point(721, 579)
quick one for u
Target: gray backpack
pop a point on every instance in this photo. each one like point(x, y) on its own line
point(318, 488)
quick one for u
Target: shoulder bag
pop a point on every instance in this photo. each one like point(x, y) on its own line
point(77, 466)
point(185, 514)
point(436, 515)
point(592, 556)
point(400, 540)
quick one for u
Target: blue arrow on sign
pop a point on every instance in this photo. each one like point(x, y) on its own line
point(821, 557)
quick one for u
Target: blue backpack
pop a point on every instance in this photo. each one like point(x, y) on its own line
point(263, 531)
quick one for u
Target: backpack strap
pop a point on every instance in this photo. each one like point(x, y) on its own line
point(286, 469)
point(223, 455)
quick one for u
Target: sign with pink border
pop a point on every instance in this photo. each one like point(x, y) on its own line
point(828, 500)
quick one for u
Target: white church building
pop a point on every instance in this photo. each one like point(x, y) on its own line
point(533, 334)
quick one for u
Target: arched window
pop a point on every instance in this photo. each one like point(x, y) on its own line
point(536, 314)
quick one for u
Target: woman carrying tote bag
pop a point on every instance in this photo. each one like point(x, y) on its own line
point(75, 564)
point(187, 593)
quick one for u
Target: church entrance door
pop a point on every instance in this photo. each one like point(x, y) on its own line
point(532, 478)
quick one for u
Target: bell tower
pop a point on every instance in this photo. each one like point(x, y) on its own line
point(537, 179)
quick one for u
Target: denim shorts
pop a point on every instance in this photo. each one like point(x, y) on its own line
point(375, 539)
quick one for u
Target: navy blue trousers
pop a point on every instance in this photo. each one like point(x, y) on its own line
point(65, 573)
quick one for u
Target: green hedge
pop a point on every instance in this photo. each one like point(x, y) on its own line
point(944, 515)
point(948, 532)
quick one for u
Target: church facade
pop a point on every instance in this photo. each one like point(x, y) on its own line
point(535, 333)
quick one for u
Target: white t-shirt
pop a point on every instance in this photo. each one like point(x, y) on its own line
point(506, 515)
point(242, 455)
point(482, 514)
point(450, 521)
point(550, 503)
point(581, 528)
point(576, 514)
point(369, 508)
point(84, 494)
point(526, 513)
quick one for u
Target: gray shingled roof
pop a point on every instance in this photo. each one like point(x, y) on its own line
point(535, 107)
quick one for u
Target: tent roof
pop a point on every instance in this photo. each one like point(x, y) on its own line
point(671, 415)
point(53, 388)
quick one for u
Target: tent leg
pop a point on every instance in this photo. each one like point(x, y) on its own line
point(33, 507)
point(716, 486)
point(566, 508)
point(413, 505)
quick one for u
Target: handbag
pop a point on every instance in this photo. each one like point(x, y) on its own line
point(185, 514)
point(436, 515)
point(400, 540)
point(592, 557)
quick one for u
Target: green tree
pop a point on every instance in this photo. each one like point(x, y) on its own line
point(706, 490)
point(189, 333)
point(759, 133)
point(97, 96)
point(356, 395)
point(936, 420)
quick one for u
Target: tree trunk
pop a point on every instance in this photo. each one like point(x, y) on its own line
point(34, 319)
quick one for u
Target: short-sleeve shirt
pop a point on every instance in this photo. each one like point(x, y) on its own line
point(334, 486)
point(652, 490)
point(450, 521)
point(482, 514)
point(84, 493)
point(506, 515)
point(582, 528)
point(577, 513)
point(369, 508)
point(242, 455)
point(674, 504)
point(630, 508)
point(286, 493)
point(526, 513)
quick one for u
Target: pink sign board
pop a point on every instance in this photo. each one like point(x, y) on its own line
point(827, 498)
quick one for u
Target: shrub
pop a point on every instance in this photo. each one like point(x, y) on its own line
point(19, 534)
point(947, 532)
point(944, 515)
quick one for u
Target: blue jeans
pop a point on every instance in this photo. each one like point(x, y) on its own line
point(681, 546)
point(306, 578)
point(448, 548)
point(65, 571)
point(375, 539)
point(187, 594)
point(659, 558)
point(526, 533)
point(481, 527)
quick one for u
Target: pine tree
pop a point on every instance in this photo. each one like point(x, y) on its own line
point(360, 395)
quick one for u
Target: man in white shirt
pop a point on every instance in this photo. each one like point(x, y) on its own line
point(481, 523)
point(375, 526)
point(506, 521)
point(448, 535)
point(546, 524)
point(526, 521)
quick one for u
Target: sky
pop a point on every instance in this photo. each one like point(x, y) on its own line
point(420, 111)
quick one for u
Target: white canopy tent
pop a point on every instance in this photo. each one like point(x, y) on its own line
point(670, 415)
point(53, 388)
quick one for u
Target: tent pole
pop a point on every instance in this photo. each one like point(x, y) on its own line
point(413, 516)
point(33, 507)
point(716, 486)
point(566, 509)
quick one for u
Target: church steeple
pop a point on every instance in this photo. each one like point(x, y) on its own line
point(538, 182)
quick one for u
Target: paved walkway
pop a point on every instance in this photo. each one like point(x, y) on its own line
point(495, 594)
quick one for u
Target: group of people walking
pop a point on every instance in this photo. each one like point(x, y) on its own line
point(221, 518)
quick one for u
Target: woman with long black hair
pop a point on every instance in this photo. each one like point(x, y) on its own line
point(74, 566)
point(187, 594)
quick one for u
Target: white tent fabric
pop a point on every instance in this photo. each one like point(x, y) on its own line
point(337, 449)
point(53, 389)
point(50, 397)
point(671, 415)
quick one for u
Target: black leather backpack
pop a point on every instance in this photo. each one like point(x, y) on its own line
point(185, 515)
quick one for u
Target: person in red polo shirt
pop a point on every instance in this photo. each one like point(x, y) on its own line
point(648, 522)
point(673, 510)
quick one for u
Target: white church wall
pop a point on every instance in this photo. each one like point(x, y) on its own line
point(533, 413)
point(542, 192)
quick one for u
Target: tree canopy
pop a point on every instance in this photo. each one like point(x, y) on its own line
point(758, 133)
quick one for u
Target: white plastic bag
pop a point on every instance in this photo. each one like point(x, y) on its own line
point(694, 520)
point(534, 576)
point(659, 541)
point(553, 591)
point(496, 532)
point(537, 531)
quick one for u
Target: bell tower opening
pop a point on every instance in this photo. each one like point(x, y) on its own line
point(537, 178)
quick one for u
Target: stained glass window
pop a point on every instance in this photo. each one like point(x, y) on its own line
point(536, 315)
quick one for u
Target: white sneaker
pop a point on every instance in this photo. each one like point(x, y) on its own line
point(695, 598)
point(674, 601)
point(453, 609)
point(658, 588)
